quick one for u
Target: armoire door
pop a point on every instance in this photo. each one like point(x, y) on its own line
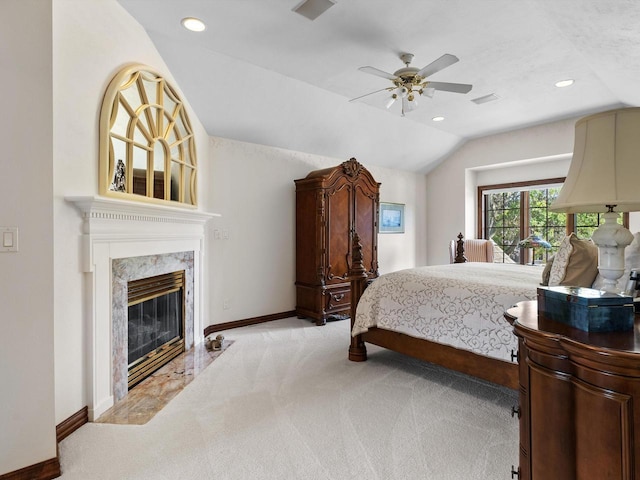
point(365, 221)
point(338, 232)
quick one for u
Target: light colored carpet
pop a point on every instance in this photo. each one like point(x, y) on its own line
point(283, 402)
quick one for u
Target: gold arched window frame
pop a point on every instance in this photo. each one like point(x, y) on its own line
point(147, 146)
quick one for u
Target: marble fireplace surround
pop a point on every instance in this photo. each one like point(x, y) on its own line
point(118, 229)
point(125, 270)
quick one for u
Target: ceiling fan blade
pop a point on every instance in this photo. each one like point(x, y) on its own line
point(443, 62)
point(378, 72)
point(367, 94)
point(450, 87)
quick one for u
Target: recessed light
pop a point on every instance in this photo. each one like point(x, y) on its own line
point(565, 83)
point(193, 24)
point(437, 119)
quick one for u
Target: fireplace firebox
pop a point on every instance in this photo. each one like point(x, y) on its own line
point(156, 313)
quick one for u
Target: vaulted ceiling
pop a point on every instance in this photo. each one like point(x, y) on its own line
point(262, 73)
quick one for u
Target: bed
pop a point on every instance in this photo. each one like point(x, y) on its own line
point(451, 315)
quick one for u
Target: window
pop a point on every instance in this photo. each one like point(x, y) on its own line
point(503, 224)
point(509, 213)
point(147, 147)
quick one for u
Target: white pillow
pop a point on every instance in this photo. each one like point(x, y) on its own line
point(560, 262)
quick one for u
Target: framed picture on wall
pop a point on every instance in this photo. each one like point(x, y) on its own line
point(391, 218)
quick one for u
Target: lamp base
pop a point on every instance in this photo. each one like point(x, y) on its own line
point(611, 239)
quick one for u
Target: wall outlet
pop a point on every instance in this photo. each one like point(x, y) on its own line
point(225, 304)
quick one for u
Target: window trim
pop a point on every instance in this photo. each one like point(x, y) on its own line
point(571, 217)
point(505, 186)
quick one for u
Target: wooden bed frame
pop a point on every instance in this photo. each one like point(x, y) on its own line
point(464, 361)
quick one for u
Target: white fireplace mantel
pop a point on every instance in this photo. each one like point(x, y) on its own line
point(100, 213)
point(113, 220)
point(114, 229)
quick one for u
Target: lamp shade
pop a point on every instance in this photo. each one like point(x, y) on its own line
point(605, 169)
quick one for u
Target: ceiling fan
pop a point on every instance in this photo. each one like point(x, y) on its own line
point(410, 82)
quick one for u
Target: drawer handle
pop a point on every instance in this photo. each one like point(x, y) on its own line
point(338, 297)
point(515, 473)
point(515, 356)
point(515, 410)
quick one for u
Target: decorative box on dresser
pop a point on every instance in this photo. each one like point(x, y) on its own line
point(332, 204)
point(579, 400)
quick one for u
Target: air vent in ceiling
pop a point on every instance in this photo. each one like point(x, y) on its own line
point(312, 9)
point(487, 98)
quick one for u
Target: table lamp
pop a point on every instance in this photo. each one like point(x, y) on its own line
point(604, 176)
point(534, 241)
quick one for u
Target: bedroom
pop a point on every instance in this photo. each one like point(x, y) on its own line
point(66, 80)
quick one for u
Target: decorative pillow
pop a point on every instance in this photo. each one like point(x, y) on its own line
point(547, 271)
point(583, 264)
point(575, 264)
point(560, 262)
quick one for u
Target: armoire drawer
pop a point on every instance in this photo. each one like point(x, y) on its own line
point(337, 299)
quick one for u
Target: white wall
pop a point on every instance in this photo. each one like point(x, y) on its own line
point(534, 153)
point(253, 188)
point(27, 423)
point(251, 185)
point(91, 42)
point(542, 152)
point(407, 250)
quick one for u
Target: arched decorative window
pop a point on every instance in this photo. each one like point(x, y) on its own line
point(147, 147)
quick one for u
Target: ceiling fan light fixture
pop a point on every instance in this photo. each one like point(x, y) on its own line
point(409, 82)
point(408, 106)
point(428, 92)
point(312, 9)
point(193, 24)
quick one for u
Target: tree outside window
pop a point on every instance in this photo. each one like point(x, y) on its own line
point(552, 226)
point(509, 213)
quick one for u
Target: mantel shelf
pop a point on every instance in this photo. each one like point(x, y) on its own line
point(97, 208)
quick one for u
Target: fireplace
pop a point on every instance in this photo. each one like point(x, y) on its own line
point(155, 323)
point(149, 286)
point(124, 241)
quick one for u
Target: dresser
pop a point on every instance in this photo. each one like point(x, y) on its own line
point(579, 400)
point(332, 204)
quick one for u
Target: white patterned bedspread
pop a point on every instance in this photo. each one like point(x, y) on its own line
point(461, 305)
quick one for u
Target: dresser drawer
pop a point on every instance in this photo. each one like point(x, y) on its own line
point(337, 300)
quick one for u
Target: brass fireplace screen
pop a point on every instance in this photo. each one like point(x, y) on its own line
point(156, 315)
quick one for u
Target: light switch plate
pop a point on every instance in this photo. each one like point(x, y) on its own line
point(8, 239)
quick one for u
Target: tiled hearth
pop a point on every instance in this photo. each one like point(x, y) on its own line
point(118, 229)
point(151, 395)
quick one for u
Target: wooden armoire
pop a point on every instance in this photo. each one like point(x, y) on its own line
point(332, 204)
